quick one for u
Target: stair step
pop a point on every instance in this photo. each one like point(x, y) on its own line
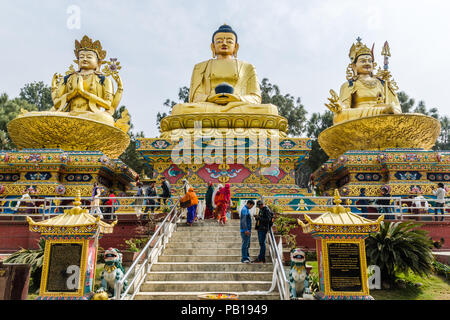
point(209, 251)
point(206, 286)
point(201, 258)
point(200, 238)
point(210, 276)
point(211, 266)
point(206, 245)
point(195, 296)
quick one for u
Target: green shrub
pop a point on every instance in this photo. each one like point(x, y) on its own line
point(400, 247)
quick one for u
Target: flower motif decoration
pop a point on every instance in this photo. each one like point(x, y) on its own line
point(60, 189)
point(103, 159)
point(4, 157)
point(382, 157)
point(34, 158)
point(2, 189)
point(112, 68)
point(342, 159)
point(64, 157)
point(345, 191)
point(387, 187)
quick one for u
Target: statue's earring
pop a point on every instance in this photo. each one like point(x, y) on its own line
point(213, 51)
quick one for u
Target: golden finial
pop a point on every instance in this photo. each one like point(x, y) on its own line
point(77, 201)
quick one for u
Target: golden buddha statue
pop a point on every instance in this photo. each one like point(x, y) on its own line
point(87, 93)
point(240, 88)
point(364, 94)
point(224, 96)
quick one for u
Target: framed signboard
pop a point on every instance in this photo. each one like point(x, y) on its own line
point(345, 267)
point(63, 271)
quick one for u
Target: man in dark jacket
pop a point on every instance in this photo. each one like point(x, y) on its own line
point(150, 192)
point(166, 193)
point(263, 225)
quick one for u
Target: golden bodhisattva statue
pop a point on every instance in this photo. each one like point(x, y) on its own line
point(364, 94)
point(367, 112)
point(87, 92)
point(84, 101)
point(224, 92)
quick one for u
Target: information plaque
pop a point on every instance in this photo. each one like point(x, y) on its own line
point(345, 267)
point(64, 267)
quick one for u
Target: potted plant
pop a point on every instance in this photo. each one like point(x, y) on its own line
point(283, 225)
point(132, 248)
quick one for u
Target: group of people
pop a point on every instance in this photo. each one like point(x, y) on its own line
point(417, 203)
point(217, 203)
point(264, 221)
point(108, 204)
point(147, 198)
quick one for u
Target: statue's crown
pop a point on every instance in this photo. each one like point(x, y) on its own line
point(87, 44)
point(359, 49)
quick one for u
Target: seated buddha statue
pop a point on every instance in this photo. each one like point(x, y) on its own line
point(364, 94)
point(224, 83)
point(87, 93)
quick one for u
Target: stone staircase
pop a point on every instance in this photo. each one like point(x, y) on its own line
point(206, 258)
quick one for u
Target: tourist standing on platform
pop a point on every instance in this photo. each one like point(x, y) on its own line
point(139, 200)
point(440, 201)
point(363, 202)
point(111, 203)
point(209, 208)
point(246, 229)
point(264, 221)
point(166, 193)
point(150, 192)
point(95, 207)
point(385, 204)
point(223, 199)
point(192, 206)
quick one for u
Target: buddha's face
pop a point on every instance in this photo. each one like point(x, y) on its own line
point(87, 60)
point(363, 64)
point(224, 44)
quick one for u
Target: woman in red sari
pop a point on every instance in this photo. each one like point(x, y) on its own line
point(223, 199)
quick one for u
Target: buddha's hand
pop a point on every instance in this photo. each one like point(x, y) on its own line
point(389, 109)
point(335, 105)
point(223, 98)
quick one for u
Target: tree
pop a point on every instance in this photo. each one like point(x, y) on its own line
point(183, 97)
point(37, 93)
point(288, 106)
point(315, 125)
point(10, 109)
point(400, 247)
point(131, 156)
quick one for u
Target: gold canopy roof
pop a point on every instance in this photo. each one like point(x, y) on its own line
point(340, 220)
point(73, 221)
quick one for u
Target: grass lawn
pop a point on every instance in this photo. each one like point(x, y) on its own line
point(434, 288)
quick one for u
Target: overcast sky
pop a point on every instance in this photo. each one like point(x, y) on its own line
point(302, 46)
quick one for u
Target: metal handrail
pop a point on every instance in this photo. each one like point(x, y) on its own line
point(174, 214)
point(279, 275)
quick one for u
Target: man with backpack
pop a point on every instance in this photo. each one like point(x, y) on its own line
point(263, 225)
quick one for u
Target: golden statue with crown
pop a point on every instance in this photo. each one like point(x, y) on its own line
point(84, 103)
point(367, 112)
